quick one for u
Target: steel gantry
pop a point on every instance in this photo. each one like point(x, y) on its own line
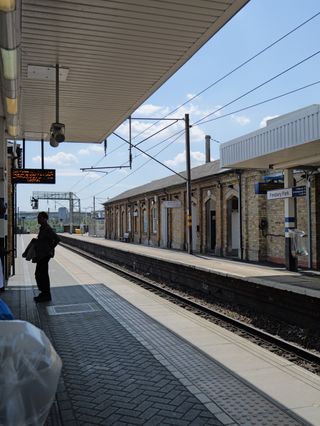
point(74, 202)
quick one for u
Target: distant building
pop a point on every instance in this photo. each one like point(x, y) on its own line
point(63, 213)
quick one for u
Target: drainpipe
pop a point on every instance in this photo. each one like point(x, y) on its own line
point(240, 212)
point(309, 177)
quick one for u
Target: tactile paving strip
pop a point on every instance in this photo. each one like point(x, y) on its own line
point(230, 398)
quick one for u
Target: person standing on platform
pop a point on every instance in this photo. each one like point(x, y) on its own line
point(46, 242)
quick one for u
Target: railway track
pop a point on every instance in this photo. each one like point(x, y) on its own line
point(296, 354)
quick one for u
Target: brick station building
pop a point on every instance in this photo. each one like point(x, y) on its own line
point(230, 218)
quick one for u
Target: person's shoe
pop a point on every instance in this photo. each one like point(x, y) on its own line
point(42, 298)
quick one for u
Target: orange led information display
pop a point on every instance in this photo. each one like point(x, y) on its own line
point(33, 176)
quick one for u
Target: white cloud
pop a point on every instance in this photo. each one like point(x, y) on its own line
point(149, 109)
point(190, 95)
point(63, 159)
point(96, 148)
point(263, 122)
point(241, 119)
point(69, 173)
point(196, 156)
point(89, 149)
point(83, 151)
point(178, 159)
point(146, 129)
point(197, 134)
point(76, 173)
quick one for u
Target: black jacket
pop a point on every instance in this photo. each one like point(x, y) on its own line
point(46, 242)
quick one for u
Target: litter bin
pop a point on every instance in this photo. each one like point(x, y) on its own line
point(29, 374)
point(298, 246)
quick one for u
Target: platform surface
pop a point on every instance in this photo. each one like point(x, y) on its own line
point(131, 357)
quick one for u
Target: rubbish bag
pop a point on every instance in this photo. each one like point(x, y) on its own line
point(5, 311)
point(29, 374)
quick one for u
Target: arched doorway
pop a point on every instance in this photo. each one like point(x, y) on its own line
point(164, 226)
point(211, 231)
point(117, 236)
point(233, 226)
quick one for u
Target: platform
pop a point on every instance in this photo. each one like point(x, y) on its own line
point(303, 282)
point(131, 357)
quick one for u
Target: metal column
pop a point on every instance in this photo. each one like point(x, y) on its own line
point(3, 202)
point(290, 221)
point(189, 202)
point(308, 199)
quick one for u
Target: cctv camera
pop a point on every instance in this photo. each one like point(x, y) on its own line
point(57, 134)
point(54, 143)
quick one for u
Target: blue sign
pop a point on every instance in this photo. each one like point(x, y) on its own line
point(299, 191)
point(263, 187)
point(274, 178)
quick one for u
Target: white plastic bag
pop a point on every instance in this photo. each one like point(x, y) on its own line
point(29, 374)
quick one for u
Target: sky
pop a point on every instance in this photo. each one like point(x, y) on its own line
point(255, 27)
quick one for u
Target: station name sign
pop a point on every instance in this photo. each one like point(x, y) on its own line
point(296, 191)
point(172, 204)
point(33, 176)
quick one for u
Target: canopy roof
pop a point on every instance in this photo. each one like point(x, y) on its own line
point(288, 141)
point(114, 54)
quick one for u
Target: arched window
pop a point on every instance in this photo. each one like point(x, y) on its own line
point(154, 219)
point(129, 220)
point(145, 221)
point(135, 222)
point(123, 222)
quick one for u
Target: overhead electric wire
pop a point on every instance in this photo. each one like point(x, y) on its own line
point(141, 153)
point(261, 103)
point(151, 157)
point(201, 121)
point(216, 118)
point(154, 134)
point(216, 82)
point(235, 69)
point(257, 87)
point(138, 168)
point(86, 174)
point(133, 146)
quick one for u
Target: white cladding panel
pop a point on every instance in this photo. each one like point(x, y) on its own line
point(286, 131)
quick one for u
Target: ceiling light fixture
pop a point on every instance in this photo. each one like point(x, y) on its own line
point(12, 130)
point(7, 5)
point(12, 105)
point(9, 60)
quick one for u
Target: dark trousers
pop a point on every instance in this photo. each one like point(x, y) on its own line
point(42, 275)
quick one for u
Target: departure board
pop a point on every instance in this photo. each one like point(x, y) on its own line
point(33, 176)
